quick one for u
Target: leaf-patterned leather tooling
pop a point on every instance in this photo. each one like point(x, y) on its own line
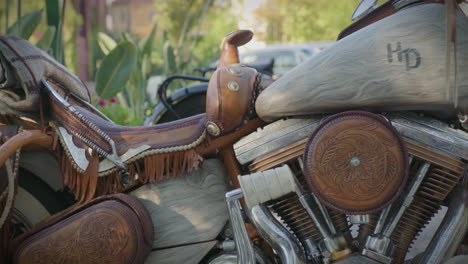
point(355, 162)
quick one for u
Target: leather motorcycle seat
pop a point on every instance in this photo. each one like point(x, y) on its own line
point(171, 134)
point(81, 117)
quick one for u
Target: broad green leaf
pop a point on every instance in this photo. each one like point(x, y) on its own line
point(46, 40)
point(29, 22)
point(148, 46)
point(106, 43)
point(53, 12)
point(115, 69)
point(145, 64)
point(54, 18)
point(169, 59)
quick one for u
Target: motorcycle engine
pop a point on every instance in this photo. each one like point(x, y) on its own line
point(434, 163)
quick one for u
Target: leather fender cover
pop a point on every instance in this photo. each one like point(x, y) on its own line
point(110, 229)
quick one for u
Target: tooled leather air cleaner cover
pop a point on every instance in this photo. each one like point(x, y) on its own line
point(356, 162)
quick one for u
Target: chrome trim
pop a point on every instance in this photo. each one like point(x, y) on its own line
point(306, 200)
point(332, 244)
point(382, 218)
point(245, 250)
point(379, 245)
point(312, 250)
point(273, 137)
point(451, 231)
point(408, 198)
point(280, 239)
point(431, 132)
point(385, 212)
point(436, 135)
point(326, 215)
point(359, 219)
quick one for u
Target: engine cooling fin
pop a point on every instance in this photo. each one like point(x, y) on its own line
point(426, 140)
point(444, 174)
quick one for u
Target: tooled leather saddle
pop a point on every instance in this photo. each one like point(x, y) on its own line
point(98, 156)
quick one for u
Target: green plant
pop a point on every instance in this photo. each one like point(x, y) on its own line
point(179, 48)
point(123, 73)
point(26, 25)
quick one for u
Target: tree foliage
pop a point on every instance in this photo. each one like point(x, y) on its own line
point(305, 20)
point(195, 29)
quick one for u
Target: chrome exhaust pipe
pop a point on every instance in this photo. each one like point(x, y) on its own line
point(265, 186)
point(244, 247)
point(280, 239)
point(451, 231)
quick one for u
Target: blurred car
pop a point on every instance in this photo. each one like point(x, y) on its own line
point(284, 57)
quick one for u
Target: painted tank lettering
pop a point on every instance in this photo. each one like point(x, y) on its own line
point(410, 57)
point(397, 50)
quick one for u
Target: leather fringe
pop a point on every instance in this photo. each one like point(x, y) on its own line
point(149, 169)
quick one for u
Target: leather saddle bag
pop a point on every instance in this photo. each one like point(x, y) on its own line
point(109, 229)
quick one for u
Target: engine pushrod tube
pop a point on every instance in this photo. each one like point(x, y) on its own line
point(326, 216)
point(306, 200)
point(386, 211)
point(280, 239)
point(245, 250)
point(409, 196)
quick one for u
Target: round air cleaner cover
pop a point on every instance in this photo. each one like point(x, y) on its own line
point(356, 162)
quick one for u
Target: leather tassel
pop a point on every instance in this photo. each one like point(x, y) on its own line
point(167, 166)
point(141, 175)
point(175, 164)
point(152, 168)
point(160, 168)
point(63, 168)
point(91, 175)
point(77, 186)
point(69, 171)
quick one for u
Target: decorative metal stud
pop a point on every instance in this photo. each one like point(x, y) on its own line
point(213, 129)
point(235, 71)
point(355, 162)
point(233, 86)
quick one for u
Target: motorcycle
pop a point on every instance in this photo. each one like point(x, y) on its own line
point(355, 156)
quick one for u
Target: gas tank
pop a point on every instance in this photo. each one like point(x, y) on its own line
point(397, 63)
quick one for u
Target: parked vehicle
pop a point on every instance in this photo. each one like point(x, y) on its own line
point(285, 57)
point(273, 60)
point(345, 159)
